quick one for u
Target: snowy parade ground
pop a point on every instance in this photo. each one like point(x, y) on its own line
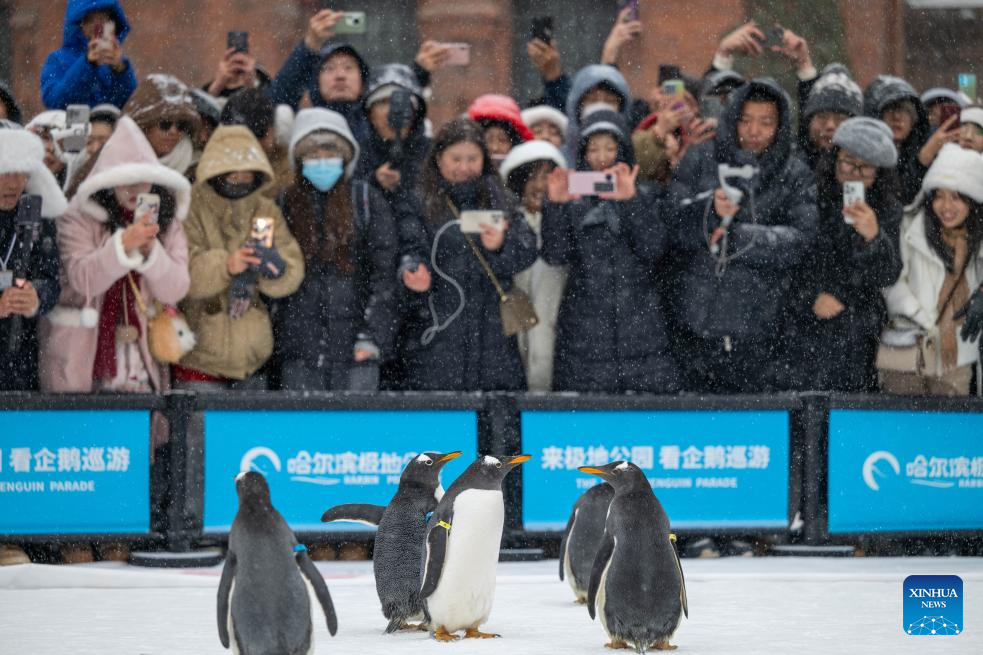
point(788, 606)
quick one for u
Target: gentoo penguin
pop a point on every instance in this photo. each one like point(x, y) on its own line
point(636, 582)
point(262, 598)
point(398, 557)
point(463, 539)
point(582, 537)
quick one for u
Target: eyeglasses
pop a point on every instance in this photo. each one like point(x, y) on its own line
point(182, 126)
point(848, 166)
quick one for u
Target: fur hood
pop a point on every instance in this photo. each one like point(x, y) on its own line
point(22, 152)
point(128, 158)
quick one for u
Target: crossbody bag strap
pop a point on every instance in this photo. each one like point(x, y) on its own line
point(477, 253)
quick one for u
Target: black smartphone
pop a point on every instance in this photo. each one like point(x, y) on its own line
point(669, 72)
point(542, 28)
point(633, 9)
point(239, 41)
point(774, 36)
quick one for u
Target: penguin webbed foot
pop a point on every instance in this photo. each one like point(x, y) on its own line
point(441, 634)
point(474, 633)
point(664, 645)
point(580, 601)
point(419, 627)
point(617, 644)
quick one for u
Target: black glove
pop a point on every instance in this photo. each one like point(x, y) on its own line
point(973, 313)
point(241, 293)
point(271, 263)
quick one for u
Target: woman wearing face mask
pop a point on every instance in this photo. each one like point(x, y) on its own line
point(455, 339)
point(233, 266)
point(611, 334)
point(837, 311)
point(525, 172)
point(113, 269)
point(941, 239)
point(341, 319)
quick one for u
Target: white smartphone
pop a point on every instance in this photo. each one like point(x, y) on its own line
point(590, 183)
point(853, 192)
point(148, 208)
point(473, 220)
point(459, 55)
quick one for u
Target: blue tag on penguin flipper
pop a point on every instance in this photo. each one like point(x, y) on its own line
point(300, 548)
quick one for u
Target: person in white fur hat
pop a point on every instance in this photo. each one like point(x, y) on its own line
point(547, 123)
point(23, 173)
point(941, 239)
point(971, 130)
point(525, 172)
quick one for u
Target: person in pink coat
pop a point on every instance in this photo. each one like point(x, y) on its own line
point(96, 338)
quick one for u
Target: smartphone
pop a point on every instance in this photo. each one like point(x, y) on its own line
point(632, 5)
point(542, 29)
point(674, 92)
point(947, 111)
point(459, 55)
point(238, 41)
point(76, 128)
point(262, 232)
point(472, 221)
point(711, 108)
point(353, 22)
point(774, 36)
point(967, 85)
point(590, 183)
point(148, 208)
point(853, 192)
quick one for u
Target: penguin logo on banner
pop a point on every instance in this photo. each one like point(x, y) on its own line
point(933, 605)
point(870, 467)
point(248, 462)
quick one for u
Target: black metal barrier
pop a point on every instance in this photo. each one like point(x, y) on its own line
point(179, 508)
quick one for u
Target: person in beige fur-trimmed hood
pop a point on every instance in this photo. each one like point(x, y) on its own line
point(163, 108)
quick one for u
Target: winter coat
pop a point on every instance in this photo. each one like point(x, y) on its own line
point(217, 227)
point(93, 260)
point(745, 301)
point(840, 351)
point(915, 296)
point(333, 308)
point(544, 284)
point(611, 334)
point(375, 152)
point(69, 79)
point(471, 354)
point(884, 91)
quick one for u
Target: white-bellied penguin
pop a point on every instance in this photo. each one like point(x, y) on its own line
point(399, 541)
point(636, 582)
point(463, 540)
point(582, 536)
point(263, 601)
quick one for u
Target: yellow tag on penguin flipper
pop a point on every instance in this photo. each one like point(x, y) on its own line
point(672, 537)
point(444, 524)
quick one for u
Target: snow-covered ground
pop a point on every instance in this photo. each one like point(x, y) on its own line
point(793, 606)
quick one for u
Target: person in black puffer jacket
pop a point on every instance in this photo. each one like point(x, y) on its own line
point(454, 335)
point(728, 305)
point(611, 334)
point(837, 311)
point(333, 332)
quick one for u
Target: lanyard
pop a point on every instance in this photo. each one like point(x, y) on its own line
point(10, 252)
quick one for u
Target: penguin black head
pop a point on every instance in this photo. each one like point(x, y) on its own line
point(488, 471)
point(425, 468)
point(623, 476)
point(253, 490)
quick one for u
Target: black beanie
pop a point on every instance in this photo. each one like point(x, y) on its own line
point(252, 108)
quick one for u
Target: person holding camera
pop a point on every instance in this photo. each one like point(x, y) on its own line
point(739, 243)
point(333, 332)
point(241, 252)
point(115, 266)
point(24, 252)
point(237, 70)
point(455, 337)
point(90, 68)
point(837, 310)
point(611, 334)
point(936, 306)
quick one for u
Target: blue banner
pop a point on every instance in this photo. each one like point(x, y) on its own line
point(75, 472)
point(905, 471)
point(315, 460)
point(713, 469)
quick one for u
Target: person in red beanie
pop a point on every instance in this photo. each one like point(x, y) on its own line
point(501, 121)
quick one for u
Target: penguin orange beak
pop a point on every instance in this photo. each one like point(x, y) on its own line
point(449, 456)
point(591, 470)
point(519, 459)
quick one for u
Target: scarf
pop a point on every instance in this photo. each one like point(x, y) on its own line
point(104, 367)
point(180, 158)
point(955, 294)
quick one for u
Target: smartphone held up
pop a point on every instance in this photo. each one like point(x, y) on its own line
point(853, 194)
point(590, 183)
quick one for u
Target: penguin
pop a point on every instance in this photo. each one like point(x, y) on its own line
point(582, 536)
point(262, 598)
point(636, 581)
point(463, 539)
point(398, 555)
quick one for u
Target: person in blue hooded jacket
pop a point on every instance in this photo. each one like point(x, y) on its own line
point(89, 68)
point(592, 84)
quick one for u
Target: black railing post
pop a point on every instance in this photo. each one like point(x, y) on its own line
point(815, 432)
point(499, 434)
point(185, 480)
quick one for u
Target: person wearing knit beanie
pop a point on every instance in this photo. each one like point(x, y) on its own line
point(501, 120)
point(834, 98)
point(547, 123)
point(869, 139)
point(971, 130)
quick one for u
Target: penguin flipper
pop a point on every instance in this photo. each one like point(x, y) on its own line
point(437, 537)
point(355, 512)
point(682, 582)
point(563, 540)
point(604, 552)
point(308, 568)
point(224, 590)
